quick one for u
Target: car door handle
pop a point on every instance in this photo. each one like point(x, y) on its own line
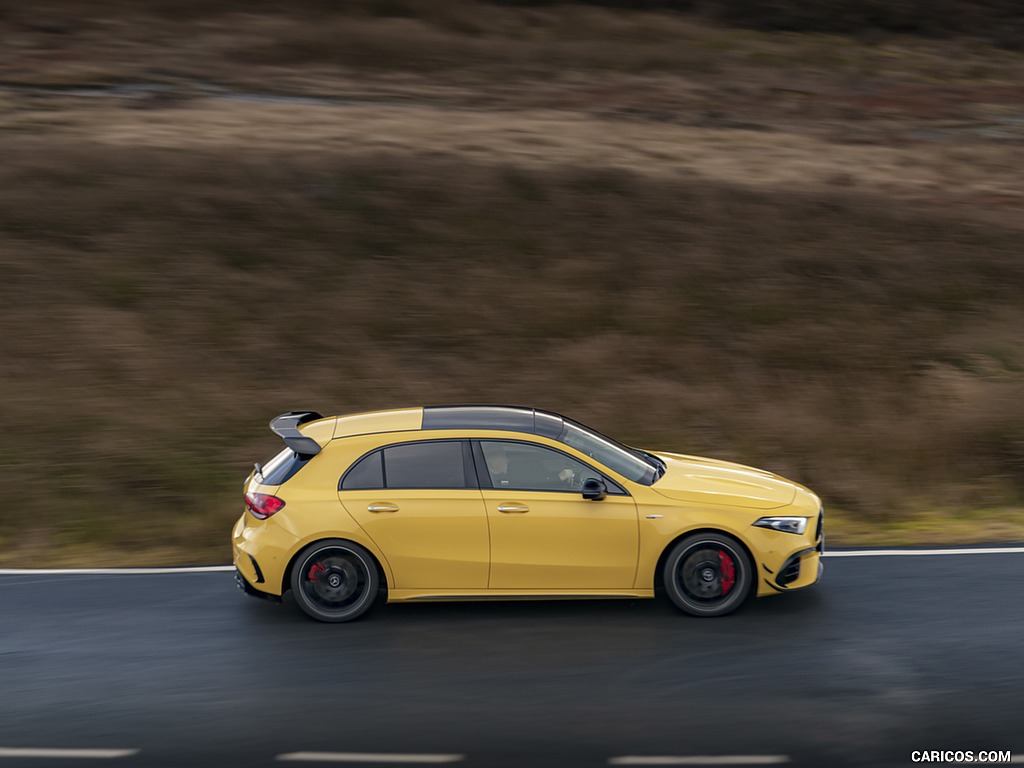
point(376, 508)
point(513, 509)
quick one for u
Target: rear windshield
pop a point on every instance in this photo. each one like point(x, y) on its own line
point(282, 467)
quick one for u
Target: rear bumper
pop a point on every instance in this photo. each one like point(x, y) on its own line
point(260, 550)
point(249, 589)
point(248, 574)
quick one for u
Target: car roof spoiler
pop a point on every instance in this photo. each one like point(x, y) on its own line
point(286, 426)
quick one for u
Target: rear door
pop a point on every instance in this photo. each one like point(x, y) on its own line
point(420, 503)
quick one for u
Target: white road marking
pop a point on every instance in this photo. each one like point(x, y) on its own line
point(366, 757)
point(79, 754)
point(229, 568)
point(921, 552)
point(111, 571)
point(702, 760)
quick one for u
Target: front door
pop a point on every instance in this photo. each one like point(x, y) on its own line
point(544, 534)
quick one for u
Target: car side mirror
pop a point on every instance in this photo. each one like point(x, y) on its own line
point(594, 489)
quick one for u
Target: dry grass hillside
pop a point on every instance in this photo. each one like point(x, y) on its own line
point(797, 251)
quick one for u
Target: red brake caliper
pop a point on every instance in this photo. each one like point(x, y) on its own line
point(728, 571)
point(315, 572)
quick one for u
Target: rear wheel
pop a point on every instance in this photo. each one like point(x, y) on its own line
point(708, 574)
point(335, 580)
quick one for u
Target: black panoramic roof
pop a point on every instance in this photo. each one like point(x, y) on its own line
point(507, 417)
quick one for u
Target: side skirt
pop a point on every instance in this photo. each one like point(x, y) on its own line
point(420, 595)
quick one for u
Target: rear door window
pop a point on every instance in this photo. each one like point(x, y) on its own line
point(430, 464)
point(425, 465)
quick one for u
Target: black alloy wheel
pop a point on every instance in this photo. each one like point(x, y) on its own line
point(708, 574)
point(335, 580)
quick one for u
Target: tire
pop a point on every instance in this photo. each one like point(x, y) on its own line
point(708, 574)
point(335, 580)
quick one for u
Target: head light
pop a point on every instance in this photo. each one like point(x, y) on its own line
point(785, 524)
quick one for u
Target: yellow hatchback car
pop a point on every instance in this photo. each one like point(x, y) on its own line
point(477, 502)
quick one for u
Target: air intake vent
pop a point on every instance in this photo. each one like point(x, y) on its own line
point(256, 567)
point(790, 571)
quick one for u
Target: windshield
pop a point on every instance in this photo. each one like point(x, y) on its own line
point(638, 466)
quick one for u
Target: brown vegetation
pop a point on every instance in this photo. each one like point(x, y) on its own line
point(798, 284)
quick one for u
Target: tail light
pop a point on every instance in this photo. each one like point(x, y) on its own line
point(263, 505)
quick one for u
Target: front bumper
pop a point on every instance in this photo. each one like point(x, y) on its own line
point(801, 569)
point(795, 567)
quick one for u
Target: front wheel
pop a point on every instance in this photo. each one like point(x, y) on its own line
point(708, 574)
point(335, 580)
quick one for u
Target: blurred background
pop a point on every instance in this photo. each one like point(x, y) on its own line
point(780, 232)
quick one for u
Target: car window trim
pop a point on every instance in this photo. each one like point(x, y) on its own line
point(615, 488)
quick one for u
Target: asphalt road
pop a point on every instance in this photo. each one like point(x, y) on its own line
point(887, 655)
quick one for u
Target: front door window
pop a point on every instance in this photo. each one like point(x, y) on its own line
point(522, 467)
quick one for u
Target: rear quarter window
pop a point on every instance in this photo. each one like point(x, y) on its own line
point(366, 474)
